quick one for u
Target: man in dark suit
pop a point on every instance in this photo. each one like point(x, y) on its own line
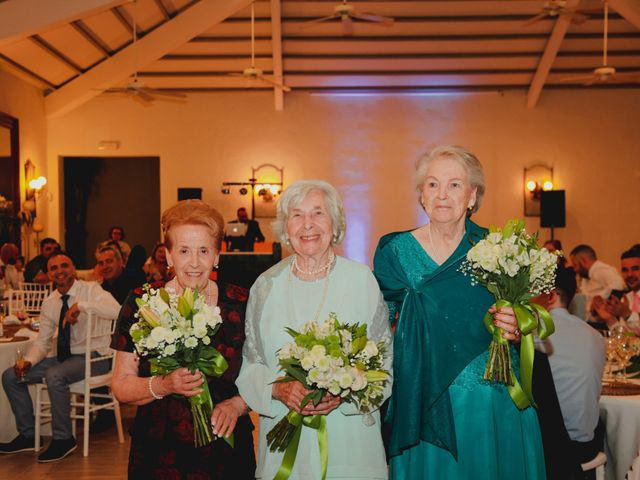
point(244, 242)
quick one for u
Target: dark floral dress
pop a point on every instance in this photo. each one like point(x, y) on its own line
point(162, 434)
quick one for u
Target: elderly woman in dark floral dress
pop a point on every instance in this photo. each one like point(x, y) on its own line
point(162, 444)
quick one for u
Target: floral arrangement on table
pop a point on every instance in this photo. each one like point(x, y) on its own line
point(514, 268)
point(327, 357)
point(175, 331)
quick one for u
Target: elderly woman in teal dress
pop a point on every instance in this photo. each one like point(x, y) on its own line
point(446, 422)
point(305, 287)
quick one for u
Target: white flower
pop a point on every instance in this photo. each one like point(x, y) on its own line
point(345, 380)
point(307, 363)
point(324, 363)
point(314, 375)
point(200, 332)
point(370, 349)
point(206, 340)
point(159, 334)
point(169, 350)
point(334, 389)
point(191, 342)
point(200, 320)
point(285, 352)
point(318, 352)
point(359, 380)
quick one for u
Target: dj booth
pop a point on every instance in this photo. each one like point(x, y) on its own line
point(243, 268)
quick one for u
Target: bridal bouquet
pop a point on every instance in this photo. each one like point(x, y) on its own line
point(327, 357)
point(175, 331)
point(514, 268)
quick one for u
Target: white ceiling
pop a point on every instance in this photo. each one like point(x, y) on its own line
point(451, 44)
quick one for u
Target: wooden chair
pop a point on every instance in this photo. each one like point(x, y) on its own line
point(97, 329)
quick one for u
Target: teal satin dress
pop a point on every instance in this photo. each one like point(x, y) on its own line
point(492, 438)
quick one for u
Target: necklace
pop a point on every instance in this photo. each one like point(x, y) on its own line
point(312, 272)
point(325, 289)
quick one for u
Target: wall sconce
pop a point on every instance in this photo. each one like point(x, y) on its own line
point(537, 179)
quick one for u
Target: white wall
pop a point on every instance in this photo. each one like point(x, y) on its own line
point(26, 103)
point(367, 146)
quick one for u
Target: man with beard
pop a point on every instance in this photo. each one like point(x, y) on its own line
point(111, 268)
point(597, 278)
point(65, 311)
point(36, 269)
point(626, 308)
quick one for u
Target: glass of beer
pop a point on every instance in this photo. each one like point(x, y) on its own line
point(21, 364)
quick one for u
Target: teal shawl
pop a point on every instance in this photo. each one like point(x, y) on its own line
point(438, 333)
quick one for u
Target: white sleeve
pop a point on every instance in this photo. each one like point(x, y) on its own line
point(255, 379)
point(100, 302)
point(378, 331)
point(42, 344)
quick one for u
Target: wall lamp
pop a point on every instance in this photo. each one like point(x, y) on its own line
point(537, 179)
point(266, 189)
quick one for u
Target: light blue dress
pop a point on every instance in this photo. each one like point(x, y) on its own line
point(495, 440)
point(278, 299)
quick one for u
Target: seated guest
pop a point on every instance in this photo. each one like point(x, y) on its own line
point(36, 269)
point(133, 270)
point(64, 312)
point(597, 278)
point(244, 242)
point(576, 355)
point(624, 308)
point(9, 274)
point(110, 268)
point(156, 267)
point(116, 234)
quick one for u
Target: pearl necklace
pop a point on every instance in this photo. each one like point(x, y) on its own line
point(325, 290)
point(312, 272)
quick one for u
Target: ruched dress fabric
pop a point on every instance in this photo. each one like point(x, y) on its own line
point(493, 439)
point(278, 300)
point(162, 433)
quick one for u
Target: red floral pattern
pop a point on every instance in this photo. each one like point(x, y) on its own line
point(162, 433)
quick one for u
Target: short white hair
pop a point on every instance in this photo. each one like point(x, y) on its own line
point(294, 196)
point(464, 157)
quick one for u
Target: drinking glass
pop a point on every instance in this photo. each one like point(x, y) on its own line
point(612, 353)
point(625, 352)
point(21, 364)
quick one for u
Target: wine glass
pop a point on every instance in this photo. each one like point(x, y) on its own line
point(625, 352)
point(612, 353)
point(21, 364)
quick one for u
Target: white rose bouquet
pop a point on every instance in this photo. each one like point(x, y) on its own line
point(514, 268)
point(174, 332)
point(328, 357)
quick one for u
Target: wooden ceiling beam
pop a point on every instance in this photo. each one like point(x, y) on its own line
point(20, 19)
point(151, 47)
point(629, 9)
point(276, 45)
point(551, 50)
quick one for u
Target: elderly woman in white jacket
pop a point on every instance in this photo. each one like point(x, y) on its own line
point(306, 287)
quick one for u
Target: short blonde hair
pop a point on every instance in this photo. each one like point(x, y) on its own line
point(193, 212)
point(296, 193)
point(464, 157)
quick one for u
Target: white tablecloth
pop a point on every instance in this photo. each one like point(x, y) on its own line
point(7, 421)
point(621, 415)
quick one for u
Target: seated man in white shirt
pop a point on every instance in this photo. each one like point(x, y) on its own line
point(624, 308)
point(597, 278)
point(65, 311)
point(576, 355)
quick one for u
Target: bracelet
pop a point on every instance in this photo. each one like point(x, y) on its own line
point(153, 394)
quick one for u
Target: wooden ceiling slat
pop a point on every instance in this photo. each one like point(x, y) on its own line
point(68, 41)
point(91, 37)
point(109, 30)
point(219, 65)
point(34, 58)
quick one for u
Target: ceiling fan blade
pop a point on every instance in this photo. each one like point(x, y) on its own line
point(535, 19)
point(626, 77)
point(596, 79)
point(268, 80)
point(347, 25)
point(308, 23)
point(142, 94)
point(371, 17)
point(116, 90)
point(578, 18)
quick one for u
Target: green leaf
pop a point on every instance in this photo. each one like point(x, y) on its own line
point(164, 296)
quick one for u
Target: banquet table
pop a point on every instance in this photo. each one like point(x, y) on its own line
point(621, 415)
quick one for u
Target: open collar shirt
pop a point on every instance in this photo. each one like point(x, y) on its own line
point(91, 298)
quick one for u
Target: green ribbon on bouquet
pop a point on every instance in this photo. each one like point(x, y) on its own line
point(317, 422)
point(530, 316)
point(211, 363)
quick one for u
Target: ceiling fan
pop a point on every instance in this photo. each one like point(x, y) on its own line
point(253, 73)
point(604, 73)
point(347, 13)
point(136, 87)
point(557, 8)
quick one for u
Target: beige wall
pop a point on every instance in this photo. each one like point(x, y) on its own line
point(367, 146)
point(25, 102)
